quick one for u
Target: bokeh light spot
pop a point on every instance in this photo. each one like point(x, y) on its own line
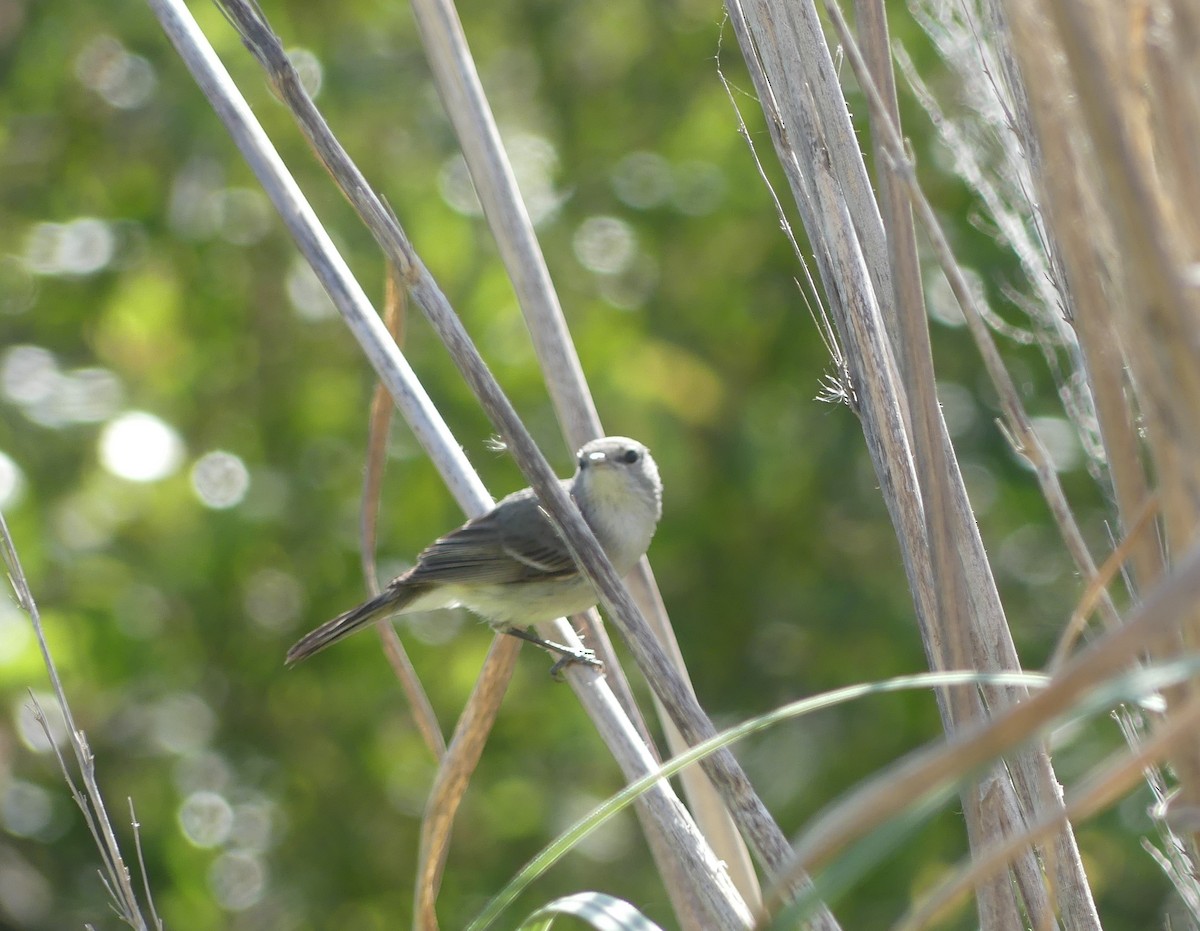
point(30, 378)
point(195, 193)
point(457, 189)
point(1031, 555)
point(1061, 441)
point(16, 632)
point(252, 825)
point(273, 599)
point(237, 880)
point(941, 303)
point(535, 161)
point(26, 808)
point(699, 188)
point(982, 486)
point(308, 67)
point(958, 407)
point(88, 395)
point(122, 80)
point(205, 818)
point(206, 770)
point(605, 245)
point(220, 479)
point(244, 215)
point(643, 180)
point(608, 843)
point(183, 723)
point(140, 447)
point(12, 482)
point(631, 288)
point(28, 374)
point(309, 298)
point(81, 247)
point(25, 894)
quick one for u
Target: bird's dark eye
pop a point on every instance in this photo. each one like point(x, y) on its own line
point(583, 462)
point(630, 455)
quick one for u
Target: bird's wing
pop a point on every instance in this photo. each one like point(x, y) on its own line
point(514, 542)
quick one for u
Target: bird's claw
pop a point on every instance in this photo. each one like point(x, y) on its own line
point(569, 657)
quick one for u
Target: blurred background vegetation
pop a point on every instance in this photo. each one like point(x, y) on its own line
point(182, 427)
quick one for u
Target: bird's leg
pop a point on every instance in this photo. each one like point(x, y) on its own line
point(568, 655)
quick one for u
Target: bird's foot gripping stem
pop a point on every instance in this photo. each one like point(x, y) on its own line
point(567, 655)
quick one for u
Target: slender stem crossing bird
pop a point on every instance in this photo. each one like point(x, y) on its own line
point(510, 566)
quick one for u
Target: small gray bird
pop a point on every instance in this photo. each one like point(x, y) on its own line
point(510, 565)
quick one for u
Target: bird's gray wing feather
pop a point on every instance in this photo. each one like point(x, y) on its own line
point(514, 542)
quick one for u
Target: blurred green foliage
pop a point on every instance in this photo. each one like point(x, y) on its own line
point(142, 271)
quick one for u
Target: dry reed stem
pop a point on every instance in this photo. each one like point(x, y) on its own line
point(754, 821)
point(492, 177)
point(450, 783)
point(1032, 772)
point(1088, 259)
point(703, 868)
point(378, 430)
point(988, 804)
point(1104, 181)
point(885, 794)
point(466, 104)
point(915, 366)
point(1150, 242)
point(837, 228)
point(706, 805)
point(770, 52)
point(1102, 788)
point(1019, 428)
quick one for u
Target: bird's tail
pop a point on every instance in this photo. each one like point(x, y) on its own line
point(389, 601)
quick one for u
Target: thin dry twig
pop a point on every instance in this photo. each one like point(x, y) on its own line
point(1104, 575)
point(137, 846)
point(115, 874)
point(809, 292)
